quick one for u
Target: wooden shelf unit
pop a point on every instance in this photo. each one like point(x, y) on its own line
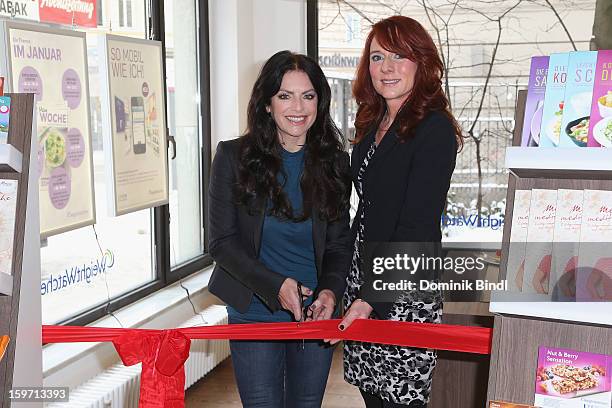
point(18, 324)
point(516, 337)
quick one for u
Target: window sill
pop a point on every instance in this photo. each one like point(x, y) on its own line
point(164, 308)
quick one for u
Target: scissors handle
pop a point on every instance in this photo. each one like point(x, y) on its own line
point(299, 288)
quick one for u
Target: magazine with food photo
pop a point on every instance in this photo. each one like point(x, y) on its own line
point(577, 100)
point(600, 127)
point(552, 113)
point(534, 105)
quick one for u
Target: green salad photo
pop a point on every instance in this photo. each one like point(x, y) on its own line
point(608, 131)
point(580, 130)
point(55, 148)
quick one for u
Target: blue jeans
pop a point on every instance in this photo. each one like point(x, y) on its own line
point(279, 374)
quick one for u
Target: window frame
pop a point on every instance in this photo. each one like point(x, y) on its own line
point(312, 29)
point(164, 275)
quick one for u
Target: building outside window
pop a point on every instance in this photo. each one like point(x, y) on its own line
point(125, 13)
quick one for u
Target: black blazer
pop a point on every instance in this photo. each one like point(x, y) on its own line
point(405, 185)
point(235, 239)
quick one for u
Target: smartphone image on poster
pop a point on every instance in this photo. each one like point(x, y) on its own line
point(138, 125)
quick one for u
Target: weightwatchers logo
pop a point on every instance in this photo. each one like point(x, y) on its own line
point(473, 221)
point(76, 274)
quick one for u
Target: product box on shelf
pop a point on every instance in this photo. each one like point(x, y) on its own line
point(8, 209)
point(538, 252)
point(5, 115)
point(4, 341)
point(594, 277)
point(566, 244)
point(572, 379)
point(600, 128)
point(552, 114)
point(518, 240)
point(577, 100)
point(503, 404)
point(535, 101)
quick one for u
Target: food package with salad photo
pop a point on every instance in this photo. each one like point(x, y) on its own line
point(600, 127)
point(552, 112)
point(577, 100)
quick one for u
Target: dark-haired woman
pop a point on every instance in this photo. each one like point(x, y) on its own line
point(279, 230)
point(402, 161)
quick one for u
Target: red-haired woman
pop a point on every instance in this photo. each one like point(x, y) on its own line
point(402, 161)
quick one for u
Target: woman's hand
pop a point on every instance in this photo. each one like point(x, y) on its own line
point(359, 310)
point(323, 307)
point(289, 297)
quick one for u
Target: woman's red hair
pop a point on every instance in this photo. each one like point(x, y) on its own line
point(404, 36)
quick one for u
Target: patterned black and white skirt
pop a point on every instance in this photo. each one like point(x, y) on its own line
point(398, 374)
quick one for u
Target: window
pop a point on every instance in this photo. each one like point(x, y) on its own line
point(111, 258)
point(186, 216)
point(100, 12)
point(125, 13)
point(128, 12)
point(353, 28)
point(121, 259)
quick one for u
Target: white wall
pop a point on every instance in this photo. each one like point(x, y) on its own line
point(243, 35)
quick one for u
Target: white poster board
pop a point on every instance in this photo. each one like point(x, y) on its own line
point(52, 64)
point(135, 141)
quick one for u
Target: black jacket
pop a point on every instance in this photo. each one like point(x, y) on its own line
point(235, 239)
point(405, 185)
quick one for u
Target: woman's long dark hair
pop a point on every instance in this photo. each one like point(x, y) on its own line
point(325, 181)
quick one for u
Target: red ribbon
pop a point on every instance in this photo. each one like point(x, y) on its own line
point(163, 352)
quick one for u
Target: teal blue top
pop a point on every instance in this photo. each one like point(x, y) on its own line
point(286, 246)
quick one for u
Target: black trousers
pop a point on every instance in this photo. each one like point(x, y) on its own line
point(374, 401)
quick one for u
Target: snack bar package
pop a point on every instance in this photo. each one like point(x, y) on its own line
point(572, 379)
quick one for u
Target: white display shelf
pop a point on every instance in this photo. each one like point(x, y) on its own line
point(475, 246)
point(6, 284)
point(580, 312)
point(585, 162)
point(10, 158)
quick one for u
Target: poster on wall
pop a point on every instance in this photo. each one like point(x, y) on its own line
point(52, 64)
point(135, 141)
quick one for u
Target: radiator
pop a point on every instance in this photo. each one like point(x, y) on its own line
point(119, 386)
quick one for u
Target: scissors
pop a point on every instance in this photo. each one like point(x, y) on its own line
point(306, 311)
